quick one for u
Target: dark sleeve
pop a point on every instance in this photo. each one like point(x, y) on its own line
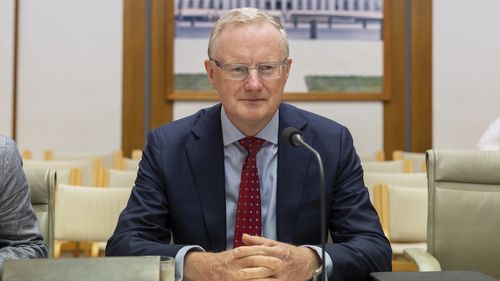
point(20, 235)
point(143, 226)
point(359, 247)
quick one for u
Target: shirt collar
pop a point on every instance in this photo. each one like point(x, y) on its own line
point(231, 134)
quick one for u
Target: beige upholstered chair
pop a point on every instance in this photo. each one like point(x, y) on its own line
point(404, 220)
point(97, 161)
point(109, 160)
point(80, 172)
point(373, 156)
point(64, 175)
point(463, 231)
point(130, 164)
point(378, 185)
point(90, 214)
point(415, 159)
point(391, 166)
point(118, 178)
point(400, 179)
point(42, 184)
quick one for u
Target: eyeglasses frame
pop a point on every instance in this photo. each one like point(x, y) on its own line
point(221, 66)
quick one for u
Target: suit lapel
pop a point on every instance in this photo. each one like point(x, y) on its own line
point(293, 163)
point(206, 158)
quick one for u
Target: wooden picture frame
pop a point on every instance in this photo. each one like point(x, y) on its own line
point(175, 95)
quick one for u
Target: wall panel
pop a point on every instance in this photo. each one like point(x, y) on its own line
point(466, 71)
point(70, 75)
point(6, 65)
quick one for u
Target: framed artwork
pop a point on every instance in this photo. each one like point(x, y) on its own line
point(339, 48)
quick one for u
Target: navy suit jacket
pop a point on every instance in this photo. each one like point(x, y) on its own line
point(179, 193)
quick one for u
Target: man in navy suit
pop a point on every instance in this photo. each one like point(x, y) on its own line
point(188, 184)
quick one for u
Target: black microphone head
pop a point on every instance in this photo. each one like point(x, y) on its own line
point(292, 136)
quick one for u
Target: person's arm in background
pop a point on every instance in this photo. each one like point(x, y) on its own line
point(19, 233)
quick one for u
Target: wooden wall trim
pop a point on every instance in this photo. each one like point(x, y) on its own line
point(15, 69)
point(134, 29)
point(319, 97)
point(394, 109)
point(134, 69)
point(161, 110)
point(174, 95)
point(421, 75)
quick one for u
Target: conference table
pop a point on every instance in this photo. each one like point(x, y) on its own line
point(432, 276)
point(156, 268)
point(142, 268)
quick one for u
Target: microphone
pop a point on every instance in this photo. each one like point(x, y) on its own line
point(294, 137)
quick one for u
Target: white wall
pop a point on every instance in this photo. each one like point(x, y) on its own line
point(70, 75)
point(466, 70)
point(6, 65)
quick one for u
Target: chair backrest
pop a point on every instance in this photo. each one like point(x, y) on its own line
point(42, 183)
point(130, 164)
point(82, 172)
point(84, 213)
point(464, 209)
point(399, 179)
point(405, 213)
point(416, 159)
point(394, 166)
point(109, 160)
point(372, 156)
point(120, 178)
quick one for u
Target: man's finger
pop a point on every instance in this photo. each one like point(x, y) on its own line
point(245, 251)
point(255, 273)
point(272, 263)
point(257, 240)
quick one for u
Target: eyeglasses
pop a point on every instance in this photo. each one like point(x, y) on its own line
point(266, 71)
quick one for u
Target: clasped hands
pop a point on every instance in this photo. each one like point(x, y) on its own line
point(260, 259)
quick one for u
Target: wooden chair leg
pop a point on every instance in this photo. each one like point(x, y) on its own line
point(77, 250)
point(94, 249)
point(57, 249)
point(402, 264)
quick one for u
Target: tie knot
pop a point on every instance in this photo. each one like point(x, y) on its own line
point(252, 144)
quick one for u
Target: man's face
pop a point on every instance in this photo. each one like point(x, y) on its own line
point(249, 103)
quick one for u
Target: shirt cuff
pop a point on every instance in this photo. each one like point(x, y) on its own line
point(179, 260)
point(328, 261)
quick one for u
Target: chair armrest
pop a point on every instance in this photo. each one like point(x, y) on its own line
point(424, 260)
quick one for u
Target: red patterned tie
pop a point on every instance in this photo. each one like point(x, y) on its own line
point(248, 216)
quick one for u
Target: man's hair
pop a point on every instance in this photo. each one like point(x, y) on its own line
point(244, 16)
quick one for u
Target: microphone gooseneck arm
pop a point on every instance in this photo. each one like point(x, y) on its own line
point(294, 137)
